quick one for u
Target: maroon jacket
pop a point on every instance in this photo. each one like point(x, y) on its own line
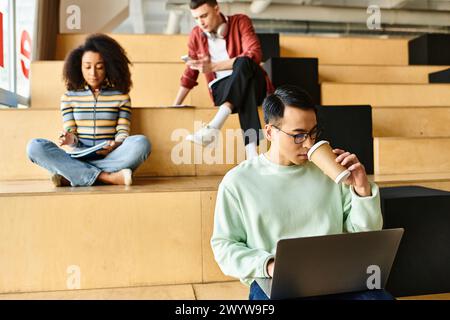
point(241, 41)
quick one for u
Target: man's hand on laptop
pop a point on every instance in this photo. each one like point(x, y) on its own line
point(270, 266)
point(358, 179)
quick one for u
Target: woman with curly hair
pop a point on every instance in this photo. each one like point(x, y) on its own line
point(96, 108)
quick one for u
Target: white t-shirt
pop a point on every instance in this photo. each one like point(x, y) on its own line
point(218, 52)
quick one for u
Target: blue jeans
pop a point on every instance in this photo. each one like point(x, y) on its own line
point(256, 293)
point(130, 154)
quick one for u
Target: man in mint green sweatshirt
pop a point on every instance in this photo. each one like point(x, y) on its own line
point(280, 194)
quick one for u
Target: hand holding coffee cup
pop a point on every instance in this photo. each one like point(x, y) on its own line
point(323, 156)
point(341, 166)
point(358, 178)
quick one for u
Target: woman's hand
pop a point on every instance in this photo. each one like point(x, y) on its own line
point(66, 138)
point(110, 147)
point(358, 179)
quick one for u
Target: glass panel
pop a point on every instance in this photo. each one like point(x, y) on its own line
point(5, 46)
point(25, 30)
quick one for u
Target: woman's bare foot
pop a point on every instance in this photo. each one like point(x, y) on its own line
point(122, 177)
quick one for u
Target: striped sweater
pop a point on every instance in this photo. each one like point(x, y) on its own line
point(95, 120)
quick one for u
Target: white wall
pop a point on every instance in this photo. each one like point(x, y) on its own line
point(156, 17)
point(93, 16)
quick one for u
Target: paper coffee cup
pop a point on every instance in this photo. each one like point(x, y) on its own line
point(323, 156)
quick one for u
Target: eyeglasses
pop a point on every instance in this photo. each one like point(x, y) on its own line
point(301, 137)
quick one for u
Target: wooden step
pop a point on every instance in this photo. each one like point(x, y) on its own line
point(154, 233)
point(160, 124)
point(154, 85)
point(24, 125)
point(116, 241)
point(221, 291)
point(376, 74)
point(440, 296)
point(165, 127)
point(174, 292)
point(329, 50)
point(20, 127)
point(211, 291)
point(230, 152)
point(26, 188)
point(347, 50)
point(411, 155)
point(411, 121)
point(386, 95)
point(140, 48)
point(440, 181)
point(188, 184)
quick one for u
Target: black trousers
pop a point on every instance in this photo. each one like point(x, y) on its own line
point(245, 89)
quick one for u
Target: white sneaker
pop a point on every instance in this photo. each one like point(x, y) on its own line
point(204, 136)
point(127, 176)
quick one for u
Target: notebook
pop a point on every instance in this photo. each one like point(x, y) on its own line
point(86, 153)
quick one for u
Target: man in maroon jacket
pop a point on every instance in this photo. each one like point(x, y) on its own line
point(227, 50)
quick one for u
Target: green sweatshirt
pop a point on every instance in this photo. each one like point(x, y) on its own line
point(260, 202)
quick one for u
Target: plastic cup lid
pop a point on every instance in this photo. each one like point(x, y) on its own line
point(343, 176)
point(314, 147)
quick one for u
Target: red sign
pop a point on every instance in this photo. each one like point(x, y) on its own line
point(2, 59)
point(25, 39)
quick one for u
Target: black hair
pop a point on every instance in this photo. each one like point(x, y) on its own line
point(194, 4)
point(286, 95)
point(115, 59)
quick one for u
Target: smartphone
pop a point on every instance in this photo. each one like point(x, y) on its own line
point(185, 58)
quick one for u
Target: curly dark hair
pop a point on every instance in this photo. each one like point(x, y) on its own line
point(114, 56)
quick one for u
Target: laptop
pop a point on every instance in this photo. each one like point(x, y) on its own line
point(332, 264)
